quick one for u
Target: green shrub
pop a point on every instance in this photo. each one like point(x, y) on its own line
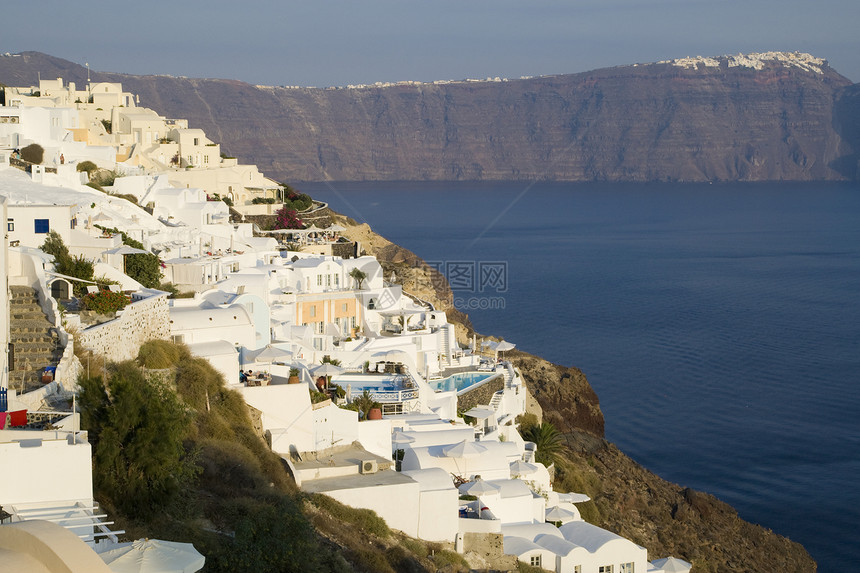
point(137, 427)
point(268, 535)
point(158, 354)
point(128, 197)
point(365, 519)
point(317, 397)
point(263, 200)
point(87, 166)
point(105, 177)
point(443, 558)
point(55, 246)
point(33, 153)
point(416, 546)
point(105, 301)
point(174, 292)
point(145, 269)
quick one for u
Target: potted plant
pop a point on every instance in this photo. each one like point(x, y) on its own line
point(294, 376)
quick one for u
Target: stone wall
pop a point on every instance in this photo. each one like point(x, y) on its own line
point(487, 551)
point(137, 323)
point(481, 395)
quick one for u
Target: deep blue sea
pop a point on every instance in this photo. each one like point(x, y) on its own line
point(719, 324)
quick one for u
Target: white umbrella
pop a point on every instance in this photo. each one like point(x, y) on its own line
point(125, 250)
point(480, 413)
point(335, 227)
point(391, 355)
point(573, 497)
point(464, 449)
point(560, 514)
point(327, 369)
point(672, 565)
point(503, 346)
point(521, 468)
point(478, 488)
point(272, 353)
point(154, 556)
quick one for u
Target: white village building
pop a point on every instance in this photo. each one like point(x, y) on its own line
point(302, 336)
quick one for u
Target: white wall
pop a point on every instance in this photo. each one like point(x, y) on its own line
point(375, 437)
point(437, 506)
point(396, 503)
point(286, 413)
point(335, 426)
point(24, 216)
point(50, 469)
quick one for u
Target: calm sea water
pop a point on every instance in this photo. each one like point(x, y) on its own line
point(719, 324)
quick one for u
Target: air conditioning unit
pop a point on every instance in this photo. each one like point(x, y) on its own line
point(368, 467)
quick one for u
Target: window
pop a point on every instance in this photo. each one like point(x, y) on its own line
point(205, 159)
point(43, 226)
point(10, 224)
point(534, 561)
point(626, 568)
point(319, 280)
point(196, 141)
point(577, 569)
point(605, 569)
point(328, 280)
point(319, 327)
point(336, 280)
point(344, 306)
point(313, 311)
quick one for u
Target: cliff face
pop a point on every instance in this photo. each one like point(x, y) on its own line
point(727, 119)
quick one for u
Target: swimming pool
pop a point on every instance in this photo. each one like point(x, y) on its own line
point(460, 381)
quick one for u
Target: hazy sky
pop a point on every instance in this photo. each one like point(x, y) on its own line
point(340, 42)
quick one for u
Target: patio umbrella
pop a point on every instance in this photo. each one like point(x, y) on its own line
point(672, 565)
point(154, 555)
point(503, 346)
point(464, 449)
point(573, 497)
point(272, 353)
point(335, 227)
point(327, 369)
point(478, 488)
point(480, 413)
point(125, 250)
point(560, 514)
point(391, 355)
point(521, 468)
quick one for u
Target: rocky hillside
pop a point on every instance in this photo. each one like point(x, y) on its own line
point(745, 118)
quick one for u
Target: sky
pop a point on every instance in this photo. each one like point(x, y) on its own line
point(341, 42)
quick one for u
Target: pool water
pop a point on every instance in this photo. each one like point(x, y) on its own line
point(459, 381)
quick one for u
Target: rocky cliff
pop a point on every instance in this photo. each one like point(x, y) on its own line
point(768, 116)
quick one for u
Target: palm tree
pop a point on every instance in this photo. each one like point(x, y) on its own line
point(548, 442)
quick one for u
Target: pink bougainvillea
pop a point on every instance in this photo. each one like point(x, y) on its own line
point(288, 219)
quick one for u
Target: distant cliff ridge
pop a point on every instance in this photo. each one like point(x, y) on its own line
point(756, 117)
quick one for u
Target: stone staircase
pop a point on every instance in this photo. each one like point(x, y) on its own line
point(34, 338)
